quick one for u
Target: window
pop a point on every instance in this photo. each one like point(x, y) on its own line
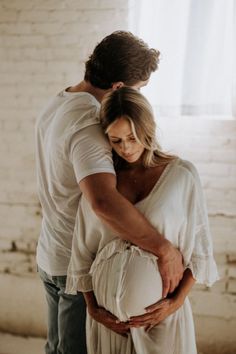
point(197, 41)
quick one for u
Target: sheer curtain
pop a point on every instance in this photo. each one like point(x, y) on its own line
point(197, 41)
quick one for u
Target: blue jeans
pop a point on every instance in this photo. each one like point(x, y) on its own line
point(66, 317)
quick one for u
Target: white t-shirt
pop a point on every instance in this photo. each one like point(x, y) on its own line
point(70, 145)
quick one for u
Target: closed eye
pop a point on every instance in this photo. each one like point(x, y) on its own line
point(132, 138)
point(115, 141)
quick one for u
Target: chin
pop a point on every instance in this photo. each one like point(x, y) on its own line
point(133, 160)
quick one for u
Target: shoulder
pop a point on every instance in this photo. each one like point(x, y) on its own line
point(187, 167)
point(187, 170)
point(80, 109)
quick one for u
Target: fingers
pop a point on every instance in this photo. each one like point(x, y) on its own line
point(146, 322)
point(145, 319)
point(170, 283)
point(156, 306)
point(166, 286)
point(173, 285)
point(121, 329)
point(171, 270)
point(156, 313)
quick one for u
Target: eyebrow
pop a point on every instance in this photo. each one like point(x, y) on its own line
point(117, 137)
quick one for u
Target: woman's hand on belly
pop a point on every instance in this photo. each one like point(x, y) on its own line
point(162, 309)
point(155, 314)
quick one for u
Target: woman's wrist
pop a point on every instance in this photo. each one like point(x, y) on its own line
point(91, 301)
point(178, 300)
point(182, 291)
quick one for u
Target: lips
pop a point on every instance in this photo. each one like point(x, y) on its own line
point(128, 156)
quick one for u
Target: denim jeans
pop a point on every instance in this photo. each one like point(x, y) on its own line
point(66, 317)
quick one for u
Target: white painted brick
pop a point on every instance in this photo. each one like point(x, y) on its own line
point(5, 245)
point(7, 16)
point(43, 46)
point(214, 194)
point(215, 335)
point(18, 220)
point(214, 169)
point(22, 67)
point(223, 224)
point(197, 127)
point(231, 255)
point(13, 262)
point(219, 183)
point(220, 286)
point(22, 309)
point(16, 4)
point(47, 28)
point(9, 80)
point(64, 15)
point(17, 29)
point(33, 16)
point(214, 304)
point(50, 4)
point(232, 271)
point(26, 246)
point(97, 4)
point(10, 126)
point(23, 41)
point(232, 286)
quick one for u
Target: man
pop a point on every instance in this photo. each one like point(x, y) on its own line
point(73, 157)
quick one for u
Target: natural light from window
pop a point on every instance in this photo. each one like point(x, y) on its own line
point(197, 41)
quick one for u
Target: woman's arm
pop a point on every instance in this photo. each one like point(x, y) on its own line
point(163, 308)
point(103, 316)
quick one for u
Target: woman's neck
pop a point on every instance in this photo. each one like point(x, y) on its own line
point(134, 166)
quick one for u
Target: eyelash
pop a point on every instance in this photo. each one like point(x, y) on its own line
point(118, 141)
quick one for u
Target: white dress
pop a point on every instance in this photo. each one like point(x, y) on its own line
point(125, 279)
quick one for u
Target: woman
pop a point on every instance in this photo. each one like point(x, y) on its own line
point(121, 283)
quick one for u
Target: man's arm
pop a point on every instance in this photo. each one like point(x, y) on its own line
point(117, 212)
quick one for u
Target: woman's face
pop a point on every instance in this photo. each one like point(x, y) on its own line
point(123, 141)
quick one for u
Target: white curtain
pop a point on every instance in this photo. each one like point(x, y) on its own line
point(197, 41)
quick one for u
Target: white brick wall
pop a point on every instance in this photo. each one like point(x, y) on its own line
point(43, 45)
point(211, 145)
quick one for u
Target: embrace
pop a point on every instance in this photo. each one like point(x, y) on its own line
point(124, 224)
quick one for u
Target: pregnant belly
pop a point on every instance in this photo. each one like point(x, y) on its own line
point(126, 279)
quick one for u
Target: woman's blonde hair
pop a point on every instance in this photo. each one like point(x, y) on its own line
point(129, 103)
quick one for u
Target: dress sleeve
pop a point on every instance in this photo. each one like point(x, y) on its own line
point(82, 257)
point(198, 248)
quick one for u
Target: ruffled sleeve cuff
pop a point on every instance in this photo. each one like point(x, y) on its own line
point(75, 283)
point(204, 269)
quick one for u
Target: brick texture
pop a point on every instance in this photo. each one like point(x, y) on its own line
point(43, 46)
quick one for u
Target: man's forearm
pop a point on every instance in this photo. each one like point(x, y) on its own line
point(130, 224)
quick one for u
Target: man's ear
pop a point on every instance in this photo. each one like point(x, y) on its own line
point(117, 85)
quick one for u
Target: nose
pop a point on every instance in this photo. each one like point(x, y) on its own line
point(125, 146)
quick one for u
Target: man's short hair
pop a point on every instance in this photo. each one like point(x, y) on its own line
point(121, 56)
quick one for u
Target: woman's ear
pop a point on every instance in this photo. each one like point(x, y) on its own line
point(117, 85)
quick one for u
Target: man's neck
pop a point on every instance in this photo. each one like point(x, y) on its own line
point(85, 86)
